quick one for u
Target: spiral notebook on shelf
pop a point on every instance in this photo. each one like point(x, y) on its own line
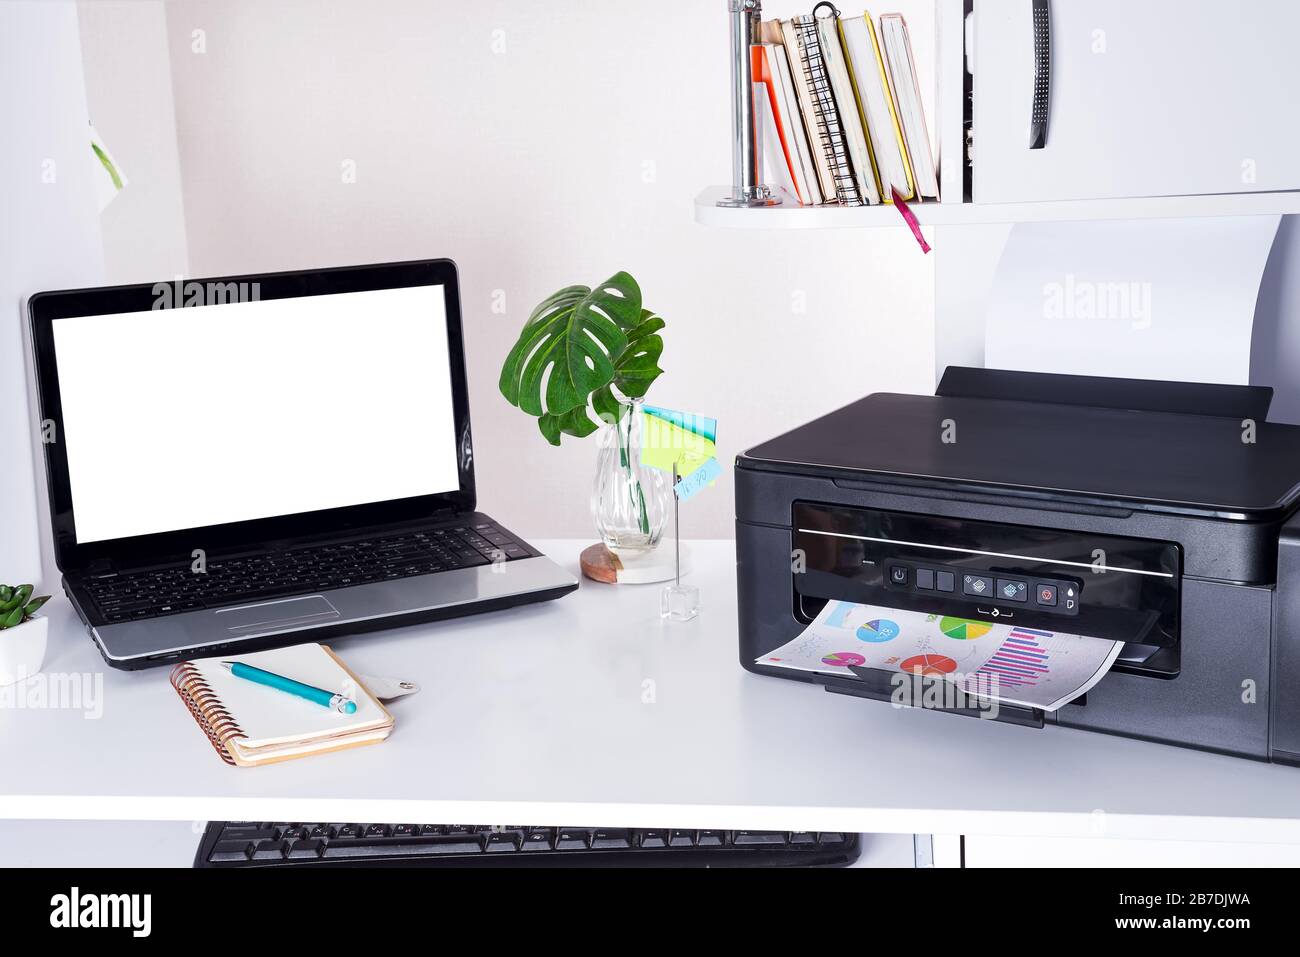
point(826, 115)
point(250, 724)
point(855, 134)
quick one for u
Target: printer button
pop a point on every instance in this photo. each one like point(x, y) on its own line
point(946, 581)
point(1046, 595)
point(1011, 590)
point(925, 578)
point(981, 586)
point(898, 574)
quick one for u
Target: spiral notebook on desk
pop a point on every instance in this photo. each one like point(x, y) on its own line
point(250, 724)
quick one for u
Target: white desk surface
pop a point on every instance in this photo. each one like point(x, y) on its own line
point(589, 709)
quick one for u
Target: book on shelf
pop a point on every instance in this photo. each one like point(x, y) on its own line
point(839, 113)
point(855, 133)
point(951, 97)
point(770, 146)
point(907, 101)
point(871, 80)
point(826, 113)
point(786, 155)
point(783, 31)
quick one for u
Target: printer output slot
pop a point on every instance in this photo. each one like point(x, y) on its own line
point(1069, 582)
point(1136, 627)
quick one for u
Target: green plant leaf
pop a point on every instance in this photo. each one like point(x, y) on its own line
point(638, 364)
point(575, 422)
point(635, 369)
point(108, 165)
point(23, 593)
point(607, 407)
point(6, 592)
point(576, 334)
point(34, 605)
point(12, 618)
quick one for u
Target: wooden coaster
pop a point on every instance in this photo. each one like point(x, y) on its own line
point(600, 564)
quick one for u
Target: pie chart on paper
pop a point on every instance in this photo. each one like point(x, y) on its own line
point(963, 629)
point(843, 659)
point(928, 665)
point(879, 630)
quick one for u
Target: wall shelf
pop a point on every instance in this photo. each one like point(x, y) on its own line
point(708, 213)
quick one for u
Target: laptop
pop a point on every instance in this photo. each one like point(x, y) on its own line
point(258, 461)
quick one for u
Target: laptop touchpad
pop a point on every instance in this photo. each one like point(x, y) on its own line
point(284, 613)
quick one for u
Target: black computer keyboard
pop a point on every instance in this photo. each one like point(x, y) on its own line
point(172, 590)
point(245, 844)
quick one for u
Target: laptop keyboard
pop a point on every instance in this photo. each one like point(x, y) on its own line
point(243, 844)
point(173, 590)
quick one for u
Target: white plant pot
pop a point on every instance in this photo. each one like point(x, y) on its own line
point(22, 650)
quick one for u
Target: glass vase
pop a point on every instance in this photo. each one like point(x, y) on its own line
point(629, 502)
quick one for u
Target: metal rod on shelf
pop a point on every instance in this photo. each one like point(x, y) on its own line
point(745, 188)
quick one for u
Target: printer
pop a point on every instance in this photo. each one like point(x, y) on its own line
point(1160, 514)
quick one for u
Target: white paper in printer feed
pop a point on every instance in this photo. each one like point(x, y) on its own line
point(1155, 299)
point(1021, 666)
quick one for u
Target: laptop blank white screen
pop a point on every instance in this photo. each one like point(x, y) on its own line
point(184, 418)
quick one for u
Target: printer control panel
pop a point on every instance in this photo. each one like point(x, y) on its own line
point(1106, 586)
point(996, 593)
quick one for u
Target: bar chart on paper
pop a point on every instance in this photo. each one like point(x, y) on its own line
point(1021, 660)
point(1043, 669)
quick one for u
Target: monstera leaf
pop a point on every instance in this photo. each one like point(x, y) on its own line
point(635, 368)
point(575, 335)
point(586, 339)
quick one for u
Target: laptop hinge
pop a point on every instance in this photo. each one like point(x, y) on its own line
point(99, 568)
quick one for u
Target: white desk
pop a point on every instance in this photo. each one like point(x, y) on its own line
point(591, 710)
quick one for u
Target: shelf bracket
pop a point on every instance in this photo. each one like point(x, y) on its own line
point(746, 190)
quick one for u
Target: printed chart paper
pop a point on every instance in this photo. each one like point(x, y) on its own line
point(1021, 666)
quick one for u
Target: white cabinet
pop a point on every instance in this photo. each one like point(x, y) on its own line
point(1040, 851)
point(1145, 97)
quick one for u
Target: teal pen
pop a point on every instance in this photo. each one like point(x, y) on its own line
point(328, 699)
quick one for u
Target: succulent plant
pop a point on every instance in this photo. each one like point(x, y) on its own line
point(17, 605)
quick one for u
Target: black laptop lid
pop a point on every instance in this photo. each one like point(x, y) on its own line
point(220, 413)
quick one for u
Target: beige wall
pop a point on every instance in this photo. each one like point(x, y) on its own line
point(537, 144)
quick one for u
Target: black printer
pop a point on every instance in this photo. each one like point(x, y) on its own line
point(1160, 514)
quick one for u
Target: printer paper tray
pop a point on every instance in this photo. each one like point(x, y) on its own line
point(878, 685)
